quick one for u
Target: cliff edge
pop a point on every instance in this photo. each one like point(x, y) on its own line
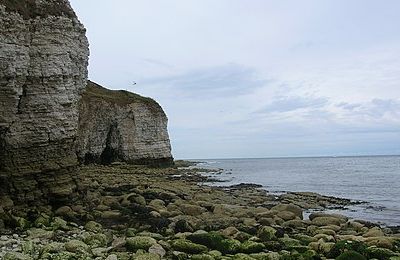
point(43, 70)
point(119, 126)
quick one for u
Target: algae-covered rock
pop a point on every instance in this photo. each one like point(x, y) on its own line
point(28, 247)
point(97, 240)
point(346, 245)
point(229, 246)
point(290, 242)
point(215, 253)
point(176, 255)
point(187, 246)
point(380, 253)
point(43, 220)
point(202, 257)
point(147, 256)
point(17, 256)
point(251, 247)
point(267, 233)
point(59, 223)
point(53, 247)
point(266, 256)
point(76, 246)
point(140, 242)
point(39, 233)
point(93, 226)
point(241, 256)
point(209, 239)
point(351, 255)
point(64, 256)
point(215, 240)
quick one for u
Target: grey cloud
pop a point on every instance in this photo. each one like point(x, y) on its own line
point(348, 106)
point(375, 108)
point(290, 103)
point(381, 106)
point(226, 80)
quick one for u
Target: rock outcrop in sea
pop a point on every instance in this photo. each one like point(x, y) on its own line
point(43, 70)
point(119, 126)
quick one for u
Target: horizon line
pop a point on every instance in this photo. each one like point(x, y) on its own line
point(293, 157)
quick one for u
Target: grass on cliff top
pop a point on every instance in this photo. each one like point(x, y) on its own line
point(120, 97)
point(28, 8)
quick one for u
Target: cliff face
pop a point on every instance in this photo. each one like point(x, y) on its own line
point(43, 70)
point(121, 126)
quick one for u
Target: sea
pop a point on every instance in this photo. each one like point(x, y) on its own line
point(374, 180)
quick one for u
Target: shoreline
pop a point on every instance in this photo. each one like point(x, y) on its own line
point(131, 212)
point(359, 208)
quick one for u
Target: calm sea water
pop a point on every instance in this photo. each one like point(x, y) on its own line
point(374, 179)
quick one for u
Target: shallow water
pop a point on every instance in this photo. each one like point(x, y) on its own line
point(374, 179)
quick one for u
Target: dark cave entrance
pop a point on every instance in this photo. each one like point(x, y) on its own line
point(111, 152)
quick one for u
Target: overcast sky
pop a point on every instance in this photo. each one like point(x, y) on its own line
point(256, 78)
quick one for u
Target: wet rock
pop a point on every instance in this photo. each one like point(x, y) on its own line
point(53, 247)
point(111, 215)
point(43, 220)
point(16, 256)
point(344, 245)
point(96, 240)
point(286, 215)
point(202, 257)
point(374, 232)
point(249, 247)
point(289, 207)
point(112, 257)
point(39, 233)
point(383, 242)
point(342, 218)
point(146, 256)
point(295, 223)
point(157, 204)
point(183, 226)
point(325, 221)
point(351, 255)
point(187, 246)
point(241, 256)
point(266, 256)
point(93, 226)
point(192, 210)
point(158, 250)
point(76, 246)
point(140, 242)
point(267, 233)
point(64, 211)
point(28, 247)
point(59, 223)
point(380, 253)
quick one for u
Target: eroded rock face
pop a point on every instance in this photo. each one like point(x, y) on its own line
point(43, 70)
point(121, 126)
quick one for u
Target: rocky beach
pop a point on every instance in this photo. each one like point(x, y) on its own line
point(88, 173)
point(138, 212)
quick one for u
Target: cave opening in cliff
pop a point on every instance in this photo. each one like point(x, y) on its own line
point(110, 153)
